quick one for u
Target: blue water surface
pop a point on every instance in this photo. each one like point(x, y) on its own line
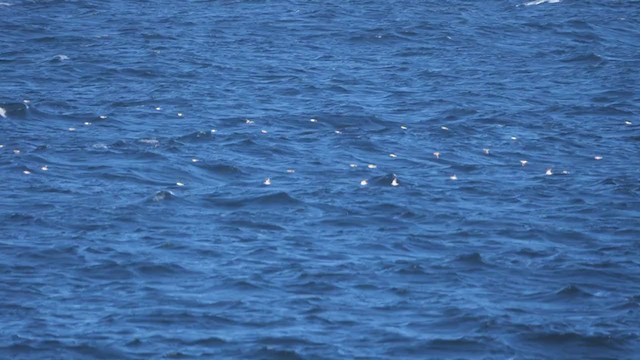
point(320, 179)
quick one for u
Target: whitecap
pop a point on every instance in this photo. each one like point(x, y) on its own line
point(152, 142)
point(538, 2)
point(60, 57)
point(3, 113)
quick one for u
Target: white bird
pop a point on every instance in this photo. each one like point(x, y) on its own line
point(453, 177)
point(267, 181)
point(364, 182)
point(394, 182)
point(437, 154)
point(3, 113)
point(549, 172)
point(523, 162)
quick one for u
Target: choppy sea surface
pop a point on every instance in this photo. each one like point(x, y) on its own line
point(320, 180)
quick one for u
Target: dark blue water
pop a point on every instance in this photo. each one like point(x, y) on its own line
point(166, 194)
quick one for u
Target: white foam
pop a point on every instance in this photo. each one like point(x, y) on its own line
point(538, 2)
point(153, 142)
point(61, 57)
point(3, 113)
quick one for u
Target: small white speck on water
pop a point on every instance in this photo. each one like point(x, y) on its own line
point(453, 177)
point(394, 182)
point(1, 146)
point(16, 151)
point(26, 101)
point(353, 165)
point(485, 151)
point(87, 123)
point(158, 108)
point(338, 132)
point(263, 131)
point(180, 115)
point(437, 154)
point(364, 183)
point(103, 117)
point(313, 120)
point(565, 172)
point(44, 168)
point(248, 121)
point(403, 127)
point(598, 157)
point(27, 172)
point(628, 122)
point(213, 131)
point(372, 166)
point(194, 160)
point(514, 138)
point(290, 171)
point(523, 162)
point(267, 181)
point(72, 129)
point(444, 128)
point(549, 172)
point(179, 183)
point(393, 155)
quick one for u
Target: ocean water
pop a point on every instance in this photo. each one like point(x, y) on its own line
point(320, 180)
